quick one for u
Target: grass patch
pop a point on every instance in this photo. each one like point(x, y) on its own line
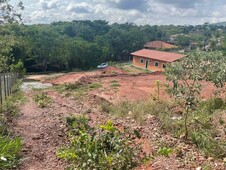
point(42, 100)
point(204, 123)
point(114, 84)
point(79, 90)
point(103, 147)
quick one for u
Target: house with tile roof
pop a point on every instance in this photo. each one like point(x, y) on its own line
point(153, 45)
point(154, 60)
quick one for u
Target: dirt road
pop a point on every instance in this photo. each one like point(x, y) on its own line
point(43, 131)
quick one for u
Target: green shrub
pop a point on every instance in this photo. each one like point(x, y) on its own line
point(18, 68)
point(165, 151)
point(42, 100)
point(99, 148)
point(212, 105)
point(10, 150)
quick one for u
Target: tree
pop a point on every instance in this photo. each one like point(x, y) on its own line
point(191, 75)
point(8, 14)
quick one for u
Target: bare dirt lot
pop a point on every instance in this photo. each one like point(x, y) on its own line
point(43, 129)
point(117, 85)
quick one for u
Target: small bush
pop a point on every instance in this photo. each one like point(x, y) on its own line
point(42, 100)
point(98, 148)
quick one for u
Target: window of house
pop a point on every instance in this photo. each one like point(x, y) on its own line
point(156, 64)
point(142, 60)
point(163, 65)
point(149, 62)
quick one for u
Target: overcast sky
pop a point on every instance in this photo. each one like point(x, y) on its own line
point(141, 12)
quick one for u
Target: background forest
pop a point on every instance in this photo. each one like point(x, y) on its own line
point(82, 45)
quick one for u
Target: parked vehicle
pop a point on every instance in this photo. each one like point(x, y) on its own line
point(103, 65)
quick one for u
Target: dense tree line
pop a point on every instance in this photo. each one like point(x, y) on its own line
point(68, 46)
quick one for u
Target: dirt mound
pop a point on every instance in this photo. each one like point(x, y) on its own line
point(112, 70)
point(84, 80)
point(81, 76)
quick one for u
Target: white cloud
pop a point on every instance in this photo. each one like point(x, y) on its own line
point(139, 12)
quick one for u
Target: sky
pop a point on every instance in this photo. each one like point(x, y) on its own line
point(140, 12)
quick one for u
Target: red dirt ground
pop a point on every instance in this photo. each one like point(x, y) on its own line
point(43, 129)
point(73, 77)
point(130, 87)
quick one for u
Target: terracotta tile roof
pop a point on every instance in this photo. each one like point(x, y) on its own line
point(160, 44)
point(158, 55)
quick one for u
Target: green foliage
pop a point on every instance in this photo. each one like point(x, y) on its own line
point(213, 104)
point(42, 100)
point(9, 13)
point(18, 68)
point(204, 123)
point(114, 84)
point(165, 151)
point(10, 150)
point(3, 125)
point(10, 147)
point(137, 110)
point(98, 148)
point(186, 77)
point(82, 45)
point(208, 145)
point(10, 106)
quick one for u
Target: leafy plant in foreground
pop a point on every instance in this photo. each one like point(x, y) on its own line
point(99, 148)
point(9, 152)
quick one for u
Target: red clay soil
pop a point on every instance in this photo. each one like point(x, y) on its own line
point(131, 87)
point(43, 131)
point(138, 88)
point(73, 77)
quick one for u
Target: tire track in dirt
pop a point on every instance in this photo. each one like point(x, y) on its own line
point(42, 131)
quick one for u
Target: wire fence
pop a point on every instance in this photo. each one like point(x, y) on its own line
point(7, 80)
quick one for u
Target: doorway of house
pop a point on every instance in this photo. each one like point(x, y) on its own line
point(146, 65)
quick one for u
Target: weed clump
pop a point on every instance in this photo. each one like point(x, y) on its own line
point(42, 100)
point(114, 84)
point(104, 147)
